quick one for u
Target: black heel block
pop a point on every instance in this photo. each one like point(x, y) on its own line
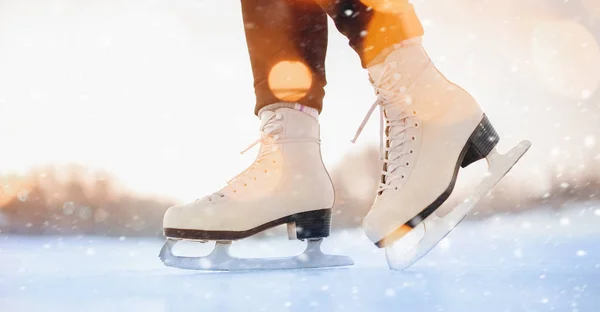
point(313, 224)
point(481, 142)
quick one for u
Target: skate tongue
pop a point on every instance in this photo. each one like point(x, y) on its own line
point(265, 116)
point(394, 110)
point(376, 73)
point(266, 120)
point(391, 111)
point(404, 64)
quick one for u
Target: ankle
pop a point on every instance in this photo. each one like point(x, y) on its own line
point(299, 107)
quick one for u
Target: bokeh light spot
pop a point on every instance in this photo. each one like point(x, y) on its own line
point(567, 58)
point(290, 80)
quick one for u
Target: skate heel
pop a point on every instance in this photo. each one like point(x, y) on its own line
point(481, 142)
point(310, 224)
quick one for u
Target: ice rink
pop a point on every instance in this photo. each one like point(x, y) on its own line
point(540, 261)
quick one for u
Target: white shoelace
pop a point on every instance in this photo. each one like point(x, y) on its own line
point(269, 138)
point(391, 94)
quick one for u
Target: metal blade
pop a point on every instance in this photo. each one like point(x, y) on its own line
point(220, 259)
point(417, 243)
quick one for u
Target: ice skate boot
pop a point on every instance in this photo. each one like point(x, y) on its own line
point(286, 184)
point(430, 128)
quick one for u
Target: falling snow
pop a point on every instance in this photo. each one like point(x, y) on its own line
point(589, 141)
point(390, 292)
point(23, 195)
point(518, 253)
point(514, 263)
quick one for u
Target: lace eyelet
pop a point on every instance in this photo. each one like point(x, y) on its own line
point(396, 188)
point(407, 164)
point(254, 178)
point(245, 184)
point(402, 177)
point(414, 112)
point(413, 138)
point(274, 161)
point(416, 124)
point(235, 191)
point(222, 196)
point(266, 171)
point(411, 151)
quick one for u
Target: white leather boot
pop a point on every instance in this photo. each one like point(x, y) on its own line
point(430, 128)
point(286, 184)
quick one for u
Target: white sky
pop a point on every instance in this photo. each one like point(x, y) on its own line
point(160, 92)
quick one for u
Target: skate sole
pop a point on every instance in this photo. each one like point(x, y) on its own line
point(480, 143)
point(309, 224)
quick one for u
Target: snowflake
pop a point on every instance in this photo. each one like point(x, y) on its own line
point(22, 195)
point(518, 253)
point(586, 94)
point(589, 141)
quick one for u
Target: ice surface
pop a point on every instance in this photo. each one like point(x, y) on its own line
point(528, 262)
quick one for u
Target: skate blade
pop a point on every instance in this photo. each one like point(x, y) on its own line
point(417, 243)
point(220, 259)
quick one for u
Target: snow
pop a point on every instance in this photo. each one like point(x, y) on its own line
point(491, 265)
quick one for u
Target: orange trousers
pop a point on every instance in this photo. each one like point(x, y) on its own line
point(287, 41)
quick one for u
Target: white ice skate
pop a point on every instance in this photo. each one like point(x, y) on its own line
point(287, 184)
point(431, 128)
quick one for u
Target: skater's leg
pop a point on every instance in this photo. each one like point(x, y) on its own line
point(373, 26)
point(287, 42)
point(287, 184)
point(431, 128)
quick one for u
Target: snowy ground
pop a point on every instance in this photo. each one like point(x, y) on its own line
point(529, 262)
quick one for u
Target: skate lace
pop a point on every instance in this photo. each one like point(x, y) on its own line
point(392, 125)
point(268, 136)
point(269, 140)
